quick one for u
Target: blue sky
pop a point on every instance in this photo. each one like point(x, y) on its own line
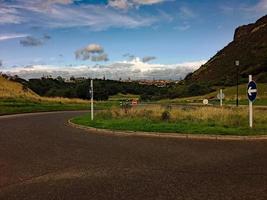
point(39, 36)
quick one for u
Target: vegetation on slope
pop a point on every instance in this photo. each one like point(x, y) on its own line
point(10, 89)
point(249, 47)
point(103, 89)
point(230, 96)
point(16, 98)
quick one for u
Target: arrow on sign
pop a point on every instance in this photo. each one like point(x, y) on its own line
point(250, 90)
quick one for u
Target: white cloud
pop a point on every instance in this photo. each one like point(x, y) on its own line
point(259, 8)
point(186, 13)
point(183, 27)
point(226, 9)
point(10, 15)
point(96, 17)
point(135, 69)
point(93, 52)
point(247, 10)
point(121, 4)
point(59, 14)
point(147, 2)
point(59, 1)
point(262, 5)
point(125, 4)
point(10, 36)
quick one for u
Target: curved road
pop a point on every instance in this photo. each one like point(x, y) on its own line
point(42, 157)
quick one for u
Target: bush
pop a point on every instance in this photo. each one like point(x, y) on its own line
point(25, 88)
point(195, 89)
point(166, 116)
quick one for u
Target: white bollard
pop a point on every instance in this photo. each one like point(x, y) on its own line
point(92, 100)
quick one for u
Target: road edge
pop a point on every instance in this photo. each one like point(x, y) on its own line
point(167, 135)
point(39, 113)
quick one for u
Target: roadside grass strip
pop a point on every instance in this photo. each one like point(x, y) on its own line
point(215, 121)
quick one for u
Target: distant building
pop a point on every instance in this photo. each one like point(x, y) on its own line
point(158, 83)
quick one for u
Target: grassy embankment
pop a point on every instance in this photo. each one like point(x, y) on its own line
point(16, 99)
point(195, 120)
point(230, 96)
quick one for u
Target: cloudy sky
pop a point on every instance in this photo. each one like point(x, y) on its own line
point(161, 39)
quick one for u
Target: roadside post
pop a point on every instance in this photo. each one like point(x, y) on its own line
point(252, 94)
point(92, 99)
point(221, 96)
point(237, 80)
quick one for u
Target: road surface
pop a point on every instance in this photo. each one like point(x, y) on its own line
point(42, 157)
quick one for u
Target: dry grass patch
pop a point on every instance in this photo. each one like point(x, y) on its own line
point(11, 89)
point(212, 115)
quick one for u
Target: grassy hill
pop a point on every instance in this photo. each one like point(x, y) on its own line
point(15, 98)
point(249, 47)
point(10, 89)
point(230, 96)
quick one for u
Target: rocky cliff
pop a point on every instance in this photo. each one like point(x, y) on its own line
point(249, 47)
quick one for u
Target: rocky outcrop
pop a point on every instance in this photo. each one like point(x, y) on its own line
point(249, 47)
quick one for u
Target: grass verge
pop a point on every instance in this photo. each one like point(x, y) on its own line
point(214, 121)
point(15, 106)
point(20, 105)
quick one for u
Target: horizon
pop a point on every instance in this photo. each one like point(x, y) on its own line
point(140, 39)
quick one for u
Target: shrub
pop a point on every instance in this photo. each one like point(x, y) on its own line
point(24, 88)
point(165, 116)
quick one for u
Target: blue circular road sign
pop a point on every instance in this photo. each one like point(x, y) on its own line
point(252, 91)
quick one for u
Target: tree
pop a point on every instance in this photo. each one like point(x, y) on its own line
point(60, 79)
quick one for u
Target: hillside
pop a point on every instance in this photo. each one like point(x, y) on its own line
point(249, 47)
point(12, 89)
point(230, 96)
point(17, 98)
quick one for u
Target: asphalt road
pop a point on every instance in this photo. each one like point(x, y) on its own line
point(41, 157)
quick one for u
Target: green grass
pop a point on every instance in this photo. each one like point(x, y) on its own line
point(257, 102)
point(14, 106)
point(230, 96)
point(184, 126)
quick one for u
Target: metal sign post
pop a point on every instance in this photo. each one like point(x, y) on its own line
point(250, 114)
point(92, 99)
point(221, 96)
point(237, 81)
point(221, 99)
point(252, 94)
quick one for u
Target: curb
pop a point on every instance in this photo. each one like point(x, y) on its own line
point(168, 135)
point(7, 116)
